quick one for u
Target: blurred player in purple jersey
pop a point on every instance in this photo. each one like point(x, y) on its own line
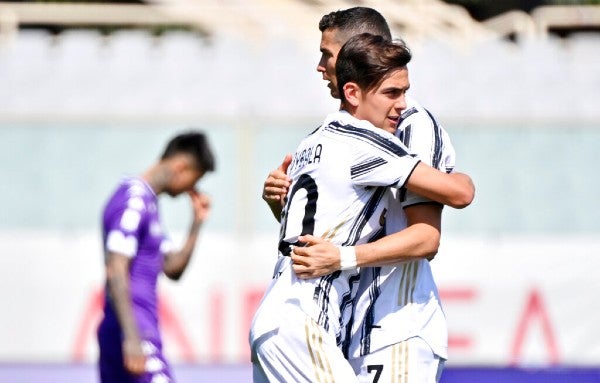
point(137, 250)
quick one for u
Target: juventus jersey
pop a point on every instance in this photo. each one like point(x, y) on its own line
point(398, 302)
point(340, 174)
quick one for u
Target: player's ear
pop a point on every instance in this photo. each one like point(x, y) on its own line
point(352, 93)
point(180, 163)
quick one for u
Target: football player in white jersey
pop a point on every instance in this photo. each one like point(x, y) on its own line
point(340, 175)
point(412, 345)
point(399, 329)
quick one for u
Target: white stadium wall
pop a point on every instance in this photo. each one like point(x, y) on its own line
point(522, 301)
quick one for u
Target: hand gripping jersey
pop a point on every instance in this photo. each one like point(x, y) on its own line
point(340, 174)
point(398, 302)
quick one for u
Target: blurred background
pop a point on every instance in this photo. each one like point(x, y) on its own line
point(90, 92)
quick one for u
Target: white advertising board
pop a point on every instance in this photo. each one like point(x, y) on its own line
point(508, 300)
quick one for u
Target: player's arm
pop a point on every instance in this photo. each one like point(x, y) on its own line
point(117, 276)
point(176, 262)
point(455, 189)
point(396, 168)
point(421, 239)
point(276, 186)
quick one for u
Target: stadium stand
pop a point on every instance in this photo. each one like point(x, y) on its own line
point(414, 19)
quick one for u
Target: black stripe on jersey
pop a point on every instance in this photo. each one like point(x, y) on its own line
point(367, 136)
point(366, 166)
point(405, 135)
point(368, 322)
point(314, 131)
point(378, 234)
point(437, 142)
point(363, 217)
point(374, 292)
point(321, 297)
point(307, 183)
point(408, 112)
point(343, 338)
point(321, 292)
point(437, 147)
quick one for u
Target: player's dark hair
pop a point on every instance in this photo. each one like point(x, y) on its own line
point(367, 60)
point(353, 21)
point(194, 143)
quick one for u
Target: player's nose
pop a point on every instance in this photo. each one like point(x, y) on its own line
point(321, 65)
point(400, 104)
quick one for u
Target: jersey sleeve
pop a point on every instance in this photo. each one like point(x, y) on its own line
point(382, 160)
point(167, 245)
point(427, 139)
point(125, 227)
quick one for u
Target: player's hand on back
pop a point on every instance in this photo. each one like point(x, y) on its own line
point(200, 205)
point(319, 257)
point(277, 183)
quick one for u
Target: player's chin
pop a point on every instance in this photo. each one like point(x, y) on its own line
point(333, 91)
point(173, 193)
point(391, 125)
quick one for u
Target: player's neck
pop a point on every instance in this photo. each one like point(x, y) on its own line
point(158, 177)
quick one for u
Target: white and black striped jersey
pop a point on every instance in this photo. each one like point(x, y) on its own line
point(398, 302)
point(339, 173)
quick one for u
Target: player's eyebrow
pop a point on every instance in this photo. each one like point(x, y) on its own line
point(395, 89)
point(325, 50)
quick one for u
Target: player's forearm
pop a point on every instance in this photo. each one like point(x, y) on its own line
point(462, 190)
point(176, 262)
point(118, 287)
point(456, 190)
point(415, 242)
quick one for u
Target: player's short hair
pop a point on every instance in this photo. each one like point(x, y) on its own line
point(195, 144)
point(353, 21)
point(367, 60)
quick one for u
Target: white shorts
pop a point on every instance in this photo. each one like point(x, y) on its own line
point(299, 351)
point(410, 361)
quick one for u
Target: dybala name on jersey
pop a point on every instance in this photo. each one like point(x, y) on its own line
point(307, 156)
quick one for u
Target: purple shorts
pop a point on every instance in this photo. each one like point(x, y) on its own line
point(111, 360)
